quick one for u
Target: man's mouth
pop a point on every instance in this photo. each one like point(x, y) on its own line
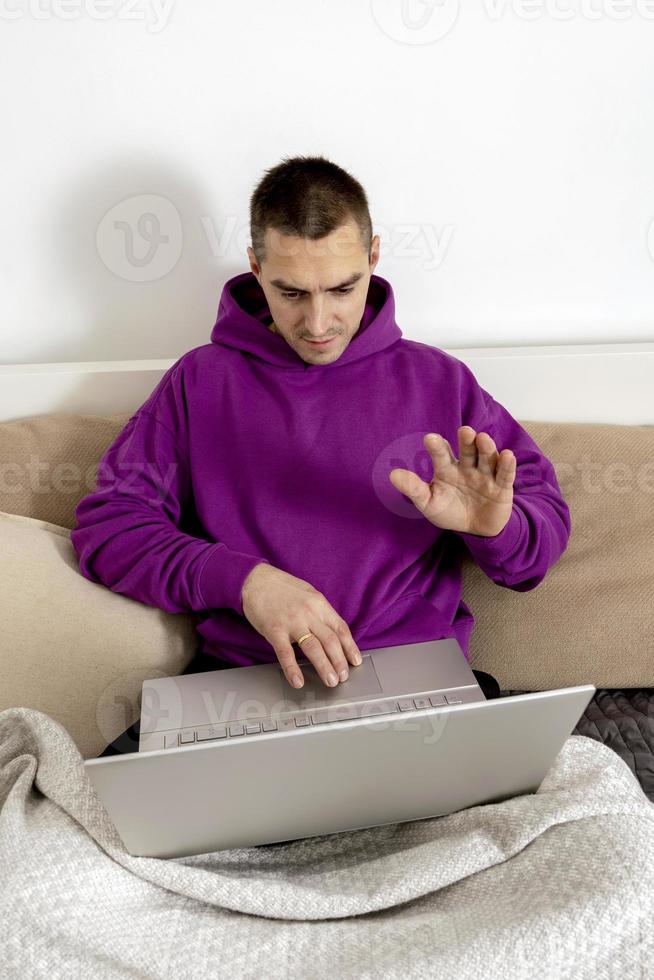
point(322, 343)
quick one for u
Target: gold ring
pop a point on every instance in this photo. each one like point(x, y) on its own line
point(303, 637)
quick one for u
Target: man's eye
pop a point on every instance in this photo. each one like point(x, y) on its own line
point(342, 292)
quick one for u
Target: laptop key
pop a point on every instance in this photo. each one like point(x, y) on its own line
point(236, 728)
point(436, 700)
point(319, 719)
point(406, 704)
point(453, 699)
point(285, 724)
point(269, 725)
point(206, 734)
point(301, 721)
point(421, 702)
point(336, 713)
point(186, 737)
point(252, 727)
point(372, 708)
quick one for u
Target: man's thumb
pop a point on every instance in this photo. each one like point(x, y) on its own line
point(411, 485)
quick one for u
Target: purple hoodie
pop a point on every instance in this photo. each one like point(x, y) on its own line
point(245, 453)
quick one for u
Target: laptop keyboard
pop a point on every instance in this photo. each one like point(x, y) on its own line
point(307, 719)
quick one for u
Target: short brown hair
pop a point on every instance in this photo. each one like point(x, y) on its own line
point(307, 197)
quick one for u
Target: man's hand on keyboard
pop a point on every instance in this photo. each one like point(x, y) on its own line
point(282, 608)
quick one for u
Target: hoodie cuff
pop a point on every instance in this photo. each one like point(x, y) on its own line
point(222, 577)
point(500, 547)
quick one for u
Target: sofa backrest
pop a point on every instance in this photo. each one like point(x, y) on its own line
point(591, 620)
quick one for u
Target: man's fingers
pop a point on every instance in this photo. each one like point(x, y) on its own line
point(286, 656)
point(312, 648)
point(328, 648)
point(467, 447)
point(313, 651)
point(440, 450)
point(352, 651)
point(506, 469)
point(336, 642)
point(487, 449)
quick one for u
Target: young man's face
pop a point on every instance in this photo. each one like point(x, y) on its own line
point(309, 292)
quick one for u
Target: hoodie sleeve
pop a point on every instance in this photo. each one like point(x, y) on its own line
point(538, 529)
point(127, 534)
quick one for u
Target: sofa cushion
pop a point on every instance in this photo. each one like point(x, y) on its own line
point(49, 462)
point(591, 619)
point(72, 648)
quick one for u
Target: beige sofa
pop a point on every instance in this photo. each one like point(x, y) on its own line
point(79, 652)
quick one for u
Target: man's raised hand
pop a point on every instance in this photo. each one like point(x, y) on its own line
point(473, 494)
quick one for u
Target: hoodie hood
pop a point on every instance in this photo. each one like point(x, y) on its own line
point(244, 316)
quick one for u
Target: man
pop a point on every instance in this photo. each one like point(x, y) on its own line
point(268, 484)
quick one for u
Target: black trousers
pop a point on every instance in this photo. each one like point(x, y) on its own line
point(129, 740)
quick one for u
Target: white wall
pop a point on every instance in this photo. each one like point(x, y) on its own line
point(507, 150)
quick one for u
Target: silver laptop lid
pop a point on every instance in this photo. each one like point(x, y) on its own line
point(331, 778)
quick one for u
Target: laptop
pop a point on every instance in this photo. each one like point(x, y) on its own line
point(237, 757)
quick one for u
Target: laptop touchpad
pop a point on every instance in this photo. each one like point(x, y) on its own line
point(362, 683)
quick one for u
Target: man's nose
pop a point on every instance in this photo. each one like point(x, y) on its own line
point(317, 318)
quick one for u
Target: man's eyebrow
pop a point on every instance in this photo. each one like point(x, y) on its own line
point(280, 284)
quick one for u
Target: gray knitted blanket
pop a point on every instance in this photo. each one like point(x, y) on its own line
point(554, 884)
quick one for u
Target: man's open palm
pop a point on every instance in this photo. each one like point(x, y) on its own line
point(473, 494)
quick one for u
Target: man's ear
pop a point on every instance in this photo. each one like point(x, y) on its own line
point(374, 253)
point(254, 265)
